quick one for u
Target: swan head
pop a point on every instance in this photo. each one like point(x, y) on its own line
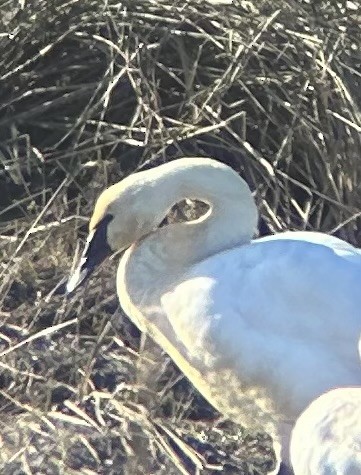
point(133, 208)
point(123, 214)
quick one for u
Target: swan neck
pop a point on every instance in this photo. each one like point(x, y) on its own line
point(231, 219)
point(160, 259)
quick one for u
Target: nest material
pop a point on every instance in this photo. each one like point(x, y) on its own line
point(91, 91)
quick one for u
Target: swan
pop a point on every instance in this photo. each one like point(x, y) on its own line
point(261, 327)
point(326, 439)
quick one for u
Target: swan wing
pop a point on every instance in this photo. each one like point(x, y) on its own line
point(283, 314)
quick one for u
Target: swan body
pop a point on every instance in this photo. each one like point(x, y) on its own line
point(260, 327)
point(326, 439)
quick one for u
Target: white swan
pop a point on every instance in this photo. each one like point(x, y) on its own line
point(260, 327)
point(326, 439)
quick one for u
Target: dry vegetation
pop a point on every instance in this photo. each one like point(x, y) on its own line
point(93, 90)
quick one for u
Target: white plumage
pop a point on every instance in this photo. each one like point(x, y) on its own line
point(261, 327)
point(326, 439)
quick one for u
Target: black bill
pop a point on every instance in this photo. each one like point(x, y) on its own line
point(96, 250)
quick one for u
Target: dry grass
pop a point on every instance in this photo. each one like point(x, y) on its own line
point(91, 91)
